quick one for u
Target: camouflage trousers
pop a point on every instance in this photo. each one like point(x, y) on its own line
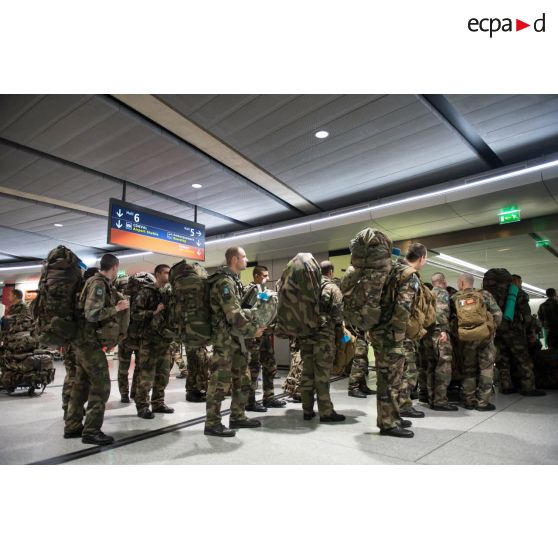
point(125, 352)
point(390, 362)
point(359, 368)
point(438, 368)
point(229, 366)
point(71, 373)
point(199, 360)
point(512, 350)
point(409, 378)
point(154, 372)
point(422, 365)
point(291, 385)
point(91, 385)
point(478, 371)
point(317, 365)
point(262, 357)
point(176, 357)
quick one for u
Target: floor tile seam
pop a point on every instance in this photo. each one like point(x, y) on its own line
point(378, 453)
point(466, 431)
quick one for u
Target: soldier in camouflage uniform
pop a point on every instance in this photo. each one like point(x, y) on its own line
point(176, 358)
point(126, 348)
point(388, 342)
point(198, 360)
point(318, 351)
point(548, 316)
point(100, 304)
point(478, 356)
point(150, 309)
point(262, 357)
point(439, 349)
point(359, 368)
point(229, 363)
point(513, 351)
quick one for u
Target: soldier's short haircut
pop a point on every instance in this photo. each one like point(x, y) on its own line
point(550, 292)
point(327, 267)
point(416, 251)
point(18, 294)
point(160, 268)
point(467, 278)
point(517, 277)
point(108, 261)
point(231, 253)
point(258, 270)
point(438, 277)
point(89, 272)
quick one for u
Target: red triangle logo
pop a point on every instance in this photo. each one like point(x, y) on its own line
point(519, 25)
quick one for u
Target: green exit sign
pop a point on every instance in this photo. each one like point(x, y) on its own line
point(542, 243)
point(121, 273)
point(509, 215)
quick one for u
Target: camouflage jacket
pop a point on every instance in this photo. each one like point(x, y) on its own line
point(331, 306)
point(149, 325)
point(18, 308)
point(225, 296)
point(406, 293)
point(442, 310)
point(489, 302)
point(98, 299)
point(522, 318)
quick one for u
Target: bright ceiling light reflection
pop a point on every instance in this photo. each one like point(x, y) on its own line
point(197, 186)
point(322, 134)
point(58, 225)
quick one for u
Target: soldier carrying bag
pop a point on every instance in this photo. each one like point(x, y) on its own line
point(364, 280)
point(474, 321)
point(298, 305)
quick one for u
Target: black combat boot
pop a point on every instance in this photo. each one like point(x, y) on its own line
point(163, 409)
point(97, 439)
point(446, 407)
point(334, 417)
point(195, 396)
point(404, 423)
point(145, 413)
point(423, 396)
point(274, 403)
point(397, 432)
point(219, 430)
point(244, 423)
point(366, 390)
point(356, 392)
point(124, 398)
point(411, 412)
point(309, 415)
point(487, 407)
point(74, 433)
point(255, 406)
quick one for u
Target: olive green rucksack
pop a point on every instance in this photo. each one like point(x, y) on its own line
point(299, 291)
point(190, 309)
point(474, 321)
point(262, 302)
point(55, 309)
point(363, 282)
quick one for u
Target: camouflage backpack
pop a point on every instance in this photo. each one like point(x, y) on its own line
point(298, 307)
point(130, 287)
point(345, 346)
point(55, 307)
point(364, 280)
point(497, 282)
point(474, 321)
point(263, 302)
point(191, 313)
point(423, 312)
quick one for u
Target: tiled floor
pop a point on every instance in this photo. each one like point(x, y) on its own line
point(521, 431)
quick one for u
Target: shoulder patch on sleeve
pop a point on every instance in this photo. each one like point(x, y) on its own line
point(226, 292)
point(99, 291)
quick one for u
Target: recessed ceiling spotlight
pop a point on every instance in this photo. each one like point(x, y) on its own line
point(322, 134)
point(504, 249)
point(58, 225)
point(197, 186)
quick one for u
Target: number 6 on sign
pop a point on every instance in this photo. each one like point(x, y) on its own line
point(136, 217)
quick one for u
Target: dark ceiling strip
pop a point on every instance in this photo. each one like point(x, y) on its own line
point(447, 112)
point(18, 258)
point(118, 180)
point(536, 236)
point(250, 183)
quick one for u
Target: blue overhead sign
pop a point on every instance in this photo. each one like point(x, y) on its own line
point(144, 229)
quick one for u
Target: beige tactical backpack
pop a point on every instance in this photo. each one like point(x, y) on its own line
point(423, 313)
point(474, 321)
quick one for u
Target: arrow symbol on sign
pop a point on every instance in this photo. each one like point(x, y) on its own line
point(519, 25)
point(119, 213)
point(119, 224)
point(198, 233)
point(198, 252)
point(198, 243)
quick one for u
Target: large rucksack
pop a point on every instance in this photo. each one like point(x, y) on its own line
point(423, 312)
point(262, 302)
point(474, 321)
point(55, 308)
point(191, 312)
point(364, 280)
point(497, 282)
point(298, 309)
point(130, 287)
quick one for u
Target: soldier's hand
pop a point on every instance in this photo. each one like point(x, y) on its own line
point(443, 337)
point(260, 331)
point(122, 305)
point(160, 308)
